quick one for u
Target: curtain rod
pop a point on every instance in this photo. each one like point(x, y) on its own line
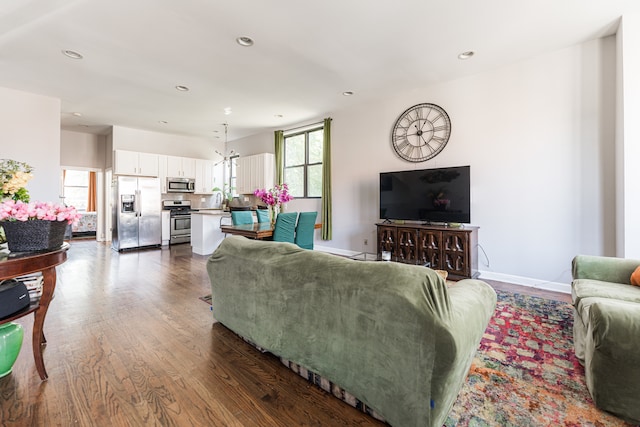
point(303, 127)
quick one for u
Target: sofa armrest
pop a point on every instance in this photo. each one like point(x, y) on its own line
point(612, 358)
point(605, 269)
point(473, 303)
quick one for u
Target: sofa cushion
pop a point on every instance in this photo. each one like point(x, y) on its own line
point(635, 277)
point(585, 288)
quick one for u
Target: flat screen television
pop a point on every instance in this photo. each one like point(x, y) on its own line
point(440, 195)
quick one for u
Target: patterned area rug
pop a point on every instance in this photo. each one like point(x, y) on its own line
point(525, 372)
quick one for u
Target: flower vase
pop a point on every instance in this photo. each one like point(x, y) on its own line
point(11, 335)
point(273, 213)
point(34, 235)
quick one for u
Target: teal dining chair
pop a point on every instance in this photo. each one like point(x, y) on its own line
point(241, 217)
point(263, 215)
point(305, 229)
point(285, 228)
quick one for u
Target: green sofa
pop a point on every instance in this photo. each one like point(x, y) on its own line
point(393, 335)
point(606, 332)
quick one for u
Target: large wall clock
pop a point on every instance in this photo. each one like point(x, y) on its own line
point(421, 132)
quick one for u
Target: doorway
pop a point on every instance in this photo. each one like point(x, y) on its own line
point(83, 189)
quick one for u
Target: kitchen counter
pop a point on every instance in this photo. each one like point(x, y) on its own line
point(208, 211)
point(205, 230)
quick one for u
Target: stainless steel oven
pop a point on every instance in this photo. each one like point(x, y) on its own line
point(179, 219)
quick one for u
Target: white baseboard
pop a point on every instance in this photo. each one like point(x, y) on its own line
point(343, 252)
point(527, 281)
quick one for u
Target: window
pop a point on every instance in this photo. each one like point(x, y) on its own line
point(76, 189)
point(303, 163)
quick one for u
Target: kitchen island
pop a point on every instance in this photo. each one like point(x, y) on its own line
point(205, 230)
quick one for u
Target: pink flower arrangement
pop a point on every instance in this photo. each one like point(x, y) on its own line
point(10, 210)
point(274, 196)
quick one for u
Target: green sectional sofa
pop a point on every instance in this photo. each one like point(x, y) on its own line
point(393, 335)
point(606, 332)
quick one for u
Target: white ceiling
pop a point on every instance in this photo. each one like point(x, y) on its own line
point(306, 53)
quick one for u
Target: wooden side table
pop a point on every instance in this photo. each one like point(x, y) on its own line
point(22, 263)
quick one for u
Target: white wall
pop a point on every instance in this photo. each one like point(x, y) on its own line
point(82, 150)
point(539, 137)
point(627, 137)
point(255, 144)
point(30, 132)
point(163, 143)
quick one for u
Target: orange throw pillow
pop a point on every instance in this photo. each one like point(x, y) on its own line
point(635, 277)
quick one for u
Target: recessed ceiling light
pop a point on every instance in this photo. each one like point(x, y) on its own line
point(466, 55)
point(76, 114)
point(278, 116)
point(347, 93)
point(162, 122)
point(71, 54)
point(215, 131)
point(227, 111)
point(244, 41)
point(182, 88)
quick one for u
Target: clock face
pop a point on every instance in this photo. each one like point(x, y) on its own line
point(421, 132)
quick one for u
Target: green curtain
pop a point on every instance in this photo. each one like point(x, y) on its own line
point(326, 182)
point(279, 151)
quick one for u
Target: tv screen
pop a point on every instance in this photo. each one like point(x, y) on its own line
point(430, 195)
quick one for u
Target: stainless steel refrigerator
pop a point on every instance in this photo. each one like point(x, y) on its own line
point(136, 212)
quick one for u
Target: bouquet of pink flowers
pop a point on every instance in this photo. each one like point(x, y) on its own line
point(274, 196)
point(10, 210)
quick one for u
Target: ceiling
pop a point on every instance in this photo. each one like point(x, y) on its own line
point(305, 54)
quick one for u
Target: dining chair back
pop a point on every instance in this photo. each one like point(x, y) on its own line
point(263, 215)
point(285, 228)
point(241, 217)
point(305, 229)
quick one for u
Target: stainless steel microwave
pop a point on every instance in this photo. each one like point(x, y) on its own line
point(181, 185)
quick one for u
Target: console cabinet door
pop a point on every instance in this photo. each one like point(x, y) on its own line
point(430, 249)
point(407, 245)
point(455, 253)
point(387, 241)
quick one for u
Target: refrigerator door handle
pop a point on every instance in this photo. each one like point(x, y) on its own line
point(137, 203)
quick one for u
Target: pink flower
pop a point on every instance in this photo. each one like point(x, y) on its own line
point(11, 210)
point(274, 196)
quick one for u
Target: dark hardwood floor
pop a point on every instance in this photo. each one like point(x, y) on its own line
point(131, 344)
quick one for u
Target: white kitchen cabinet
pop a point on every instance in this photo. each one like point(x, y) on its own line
point(135, 163)
point(206, 176)
point(181, 167)
point(255, 172)
point(162, 172)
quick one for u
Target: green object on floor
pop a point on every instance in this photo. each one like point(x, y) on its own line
point(11, 335)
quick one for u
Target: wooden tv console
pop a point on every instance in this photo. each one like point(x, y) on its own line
point(437, 246)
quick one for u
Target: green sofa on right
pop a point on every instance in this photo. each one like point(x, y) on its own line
point(606, 332)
